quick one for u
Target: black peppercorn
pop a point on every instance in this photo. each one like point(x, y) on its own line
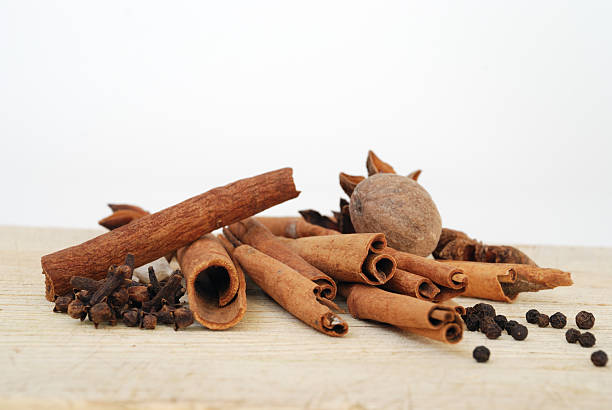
point(519, 332)
point(558, 320)
point(599, 358)
point(501, 321)
point(543, 320)
point(585, 320)
point(61, 304)
point(484, 310)
point(572, 335)
point(472, 322)
point(587, 339)
point(532, 316)
point(493, 331)
point(485, 322)
point(510, 325)
point(470, 311)
point(481, 354)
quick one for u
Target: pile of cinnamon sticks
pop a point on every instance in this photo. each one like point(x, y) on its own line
point(301, 265)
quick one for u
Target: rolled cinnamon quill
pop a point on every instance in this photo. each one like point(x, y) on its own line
point(438, 322)
point(252, 232)
point(298, 295)
point(153, 236)
point(215, 286)
point(293, 227)
point(407, 283)
point(504, 281)
point(348, 258)
point(440, 273)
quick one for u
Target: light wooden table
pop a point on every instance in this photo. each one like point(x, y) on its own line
point(273, 360)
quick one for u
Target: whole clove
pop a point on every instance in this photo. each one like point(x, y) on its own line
point(481, 354)
point(586, 339)
point(501, 321)
point(519, 332)
point(100, 312)
point(572, 335)
point(62, 302)
point(138, 295)
point(82, 283)
point(84, 296)
point(558, 320)
point(599, 358)
point(149, 321)
point(154, 285)
point(543, 320)
point(532, 316)
point(167, 294)
point(472, 322)
point(132, 317)
point(183, 317)
point(165, 315)
point(119, 298)
point(77, 310)
point(585, 320)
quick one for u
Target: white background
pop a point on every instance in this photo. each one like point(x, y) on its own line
point(506, 106)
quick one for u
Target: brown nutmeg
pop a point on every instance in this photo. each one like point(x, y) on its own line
point(400, 208)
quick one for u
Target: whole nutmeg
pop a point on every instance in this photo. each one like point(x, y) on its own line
point(400, 208)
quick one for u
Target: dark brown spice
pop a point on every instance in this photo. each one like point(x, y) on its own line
point(585, 320)
point(154, 285)
point(543, 320)
point(501, 321)
point(484, 310)
point(119, 298)
point(572, 335)
point(81, 283)
point(510, 325)
point(138, 295)
point(84, 296)
point(61, 303)
point(183, 317)
point(167, 294)
point(558, 320)
point(599, 358)
point(472, 322)
point(100, 312)
point(481, 354)
point(77, 310)
point(532, 316)
point(519, 332)
point(149, 321)
point(485, 322)
point(132, 317)
point(166, 315)
point(493, 331)
point(587, 339)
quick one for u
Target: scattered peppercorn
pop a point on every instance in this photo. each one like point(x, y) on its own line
point(585, 320)
point(572, 335)
point(510, 325)
point(484, 310)
point(501, 321)
point(481, 354)
point(61, 304)
point(470, 311)
point(558, 320)
point(493, 331)
point(485, 322)
point(532, 316)
point(543, 320)
point(519, 332)
point(587, 339)
point(599, 358)
point(472, 322)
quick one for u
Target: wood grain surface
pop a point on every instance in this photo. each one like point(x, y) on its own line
point(273, 360)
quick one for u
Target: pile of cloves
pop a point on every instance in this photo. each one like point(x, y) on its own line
point(119, 297)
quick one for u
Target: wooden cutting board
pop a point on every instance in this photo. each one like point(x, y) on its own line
point(273, 360)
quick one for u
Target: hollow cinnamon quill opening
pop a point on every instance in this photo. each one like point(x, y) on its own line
point(378, 268)
point(213, 283)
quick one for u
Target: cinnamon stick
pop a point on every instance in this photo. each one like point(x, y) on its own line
point(215, 287)
point(254, 233)
point(438, 322)
point(348, 258)
point(298, 295)
point(153, 236)
point(504, 281)
point(410, 284)
point(293, 227)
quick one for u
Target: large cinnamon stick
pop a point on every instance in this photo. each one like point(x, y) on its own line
point(348, 258)
point(407, 283)
point(153, 236)
point(504, 281)
point(439, 322)
point(298, 295)
point(252, 232)
point(215, 288)
point(293, 227)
